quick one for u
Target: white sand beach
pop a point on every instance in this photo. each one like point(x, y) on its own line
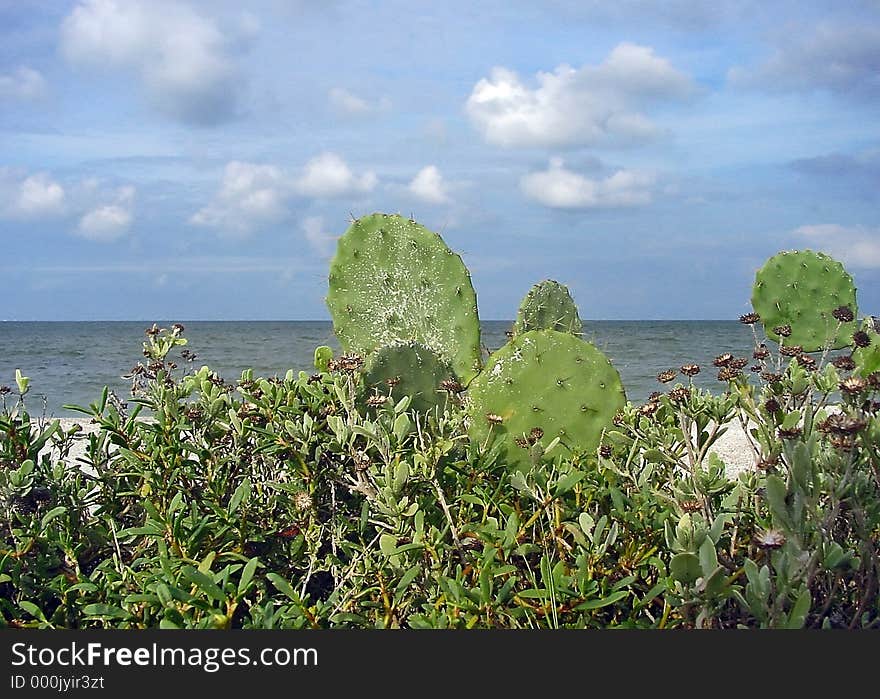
point(733, 447)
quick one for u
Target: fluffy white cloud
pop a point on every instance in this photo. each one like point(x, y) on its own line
point(328, 175)
point(560, 188)
point(348, 103)
point(429, 186)
point(183, 58)
point(843, 59)
point(316, 234)
point(591, 105)
point(30, 196)
point(856, 246)
point(250, 196)
point(25, 84)
point(109, 221)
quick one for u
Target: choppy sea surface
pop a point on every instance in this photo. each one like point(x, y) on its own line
point(71, 362)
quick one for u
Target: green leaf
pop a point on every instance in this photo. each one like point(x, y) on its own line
point(52, 514)
point(32, 609)
point(388, 544)
point(107, 610)
point(604, 602)
point(282, 586)
point(569, 482)
point(776, 492)
point(798, 616)
point(247, 575)
point(204, 583)
point(586, 522)
point(323, 355)
point(685, 567)
point(241, 494)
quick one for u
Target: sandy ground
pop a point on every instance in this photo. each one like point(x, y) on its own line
point(732, 447)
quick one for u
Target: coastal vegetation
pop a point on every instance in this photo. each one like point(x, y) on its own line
point(417, 480)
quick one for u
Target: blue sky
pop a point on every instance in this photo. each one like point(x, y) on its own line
point(194, 160)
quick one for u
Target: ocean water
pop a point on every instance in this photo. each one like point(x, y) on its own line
point(71, 362)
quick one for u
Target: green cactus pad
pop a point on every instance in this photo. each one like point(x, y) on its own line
point(391, 281)
point(802, 289)
point(546, 379)
point(414, 370)
point(548, 306)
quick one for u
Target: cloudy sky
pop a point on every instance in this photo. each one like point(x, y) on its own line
point(193, 160)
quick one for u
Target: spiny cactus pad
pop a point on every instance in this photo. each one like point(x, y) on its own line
point(547, 379)
point(392, 280)
point(414, 371)
point(548, 306)
point(801, 289)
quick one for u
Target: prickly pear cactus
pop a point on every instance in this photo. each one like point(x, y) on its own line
point(407, 369)
point(548, 306)
point(549, 380)
point(802, 289)
point(391, 281)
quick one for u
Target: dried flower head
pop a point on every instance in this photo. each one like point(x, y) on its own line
point(844, 314)
point(667, 376)
point(392, 381)
point(841, 424)
point(761, 352)
point(842, 442)
point(770, 539)
point(690, 506)
point(791, 351)
point(177, 328)
point(853, 385)
point(737, 363)
point(377, 401)
point(5, 390)
point(152, 331)
point(790, 432)
point(690, 369)
point(605, 451)
point(648, 409)
point(770, 377)
point(782, 330)
point(874, 379)
point(451, 386)
point(749, 318)
point(302, 501)
point(535, 434)
point(722, 359)
point(844, 362)
point(728, 374)
point(806, 361)
point(679, 394)
point(861, 339)
point(361, 461)
point(494, 419)
point(768, 464)
point(618, 419)
point(772, 406)
point(522, 442)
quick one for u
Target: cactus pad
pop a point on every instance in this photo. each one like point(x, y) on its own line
point(548, 306)
point(801, 289)
point(407, 369)
point(391, 281)
point(549, 380)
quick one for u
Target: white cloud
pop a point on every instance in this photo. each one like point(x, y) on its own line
point(560, 188)
point(321, 241)
point(108, 222)
point(250, 196)
point(33, 196)
point(429, 186)
point(25, 84)
point(328, 175)
point(592, 105)
point(856, 246)
point(183, 59)
point(348, 103)
point(842, 59)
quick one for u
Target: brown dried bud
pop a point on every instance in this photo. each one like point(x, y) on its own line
point(605, 451)
point(667, 376)
point(844, 362)
point(844, 314)
point(782, 330)
point(772, 406)
point(861, 339)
